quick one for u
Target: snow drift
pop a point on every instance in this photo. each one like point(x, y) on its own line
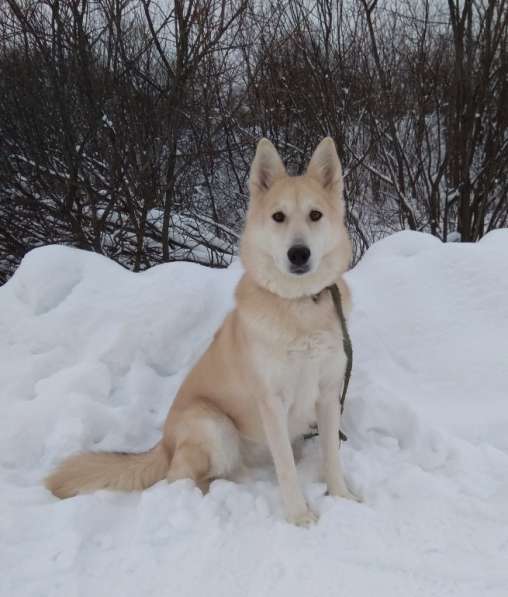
point(91, 356)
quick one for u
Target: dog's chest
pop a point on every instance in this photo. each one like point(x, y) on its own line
point(298, 354)
point(312, 363)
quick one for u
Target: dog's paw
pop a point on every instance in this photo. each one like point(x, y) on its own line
point(304, 519)
point(343, 492)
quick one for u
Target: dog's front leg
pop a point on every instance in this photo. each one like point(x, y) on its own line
point(275, 424)
point(328, 415)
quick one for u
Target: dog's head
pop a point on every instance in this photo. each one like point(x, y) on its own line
point(295, 242)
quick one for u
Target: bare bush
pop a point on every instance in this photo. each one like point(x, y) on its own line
point(127, 128)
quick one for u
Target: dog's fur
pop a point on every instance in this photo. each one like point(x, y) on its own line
point(275, 366)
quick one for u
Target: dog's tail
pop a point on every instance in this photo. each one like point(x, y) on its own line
point(84, 473)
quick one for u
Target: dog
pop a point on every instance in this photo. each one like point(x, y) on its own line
point(277, 363)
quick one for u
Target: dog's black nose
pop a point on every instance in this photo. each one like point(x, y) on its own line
point(299, 255)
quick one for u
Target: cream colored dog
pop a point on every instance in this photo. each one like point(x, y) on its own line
point(275, 366)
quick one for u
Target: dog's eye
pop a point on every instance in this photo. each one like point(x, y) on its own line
point(315, 215)
point(278, 216)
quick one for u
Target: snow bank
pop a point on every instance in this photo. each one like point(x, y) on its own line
point(91, 356)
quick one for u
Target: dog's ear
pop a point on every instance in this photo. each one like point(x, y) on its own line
point(266, 168)
point(325, 167)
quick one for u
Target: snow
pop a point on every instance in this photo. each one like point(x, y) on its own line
point(91, 356)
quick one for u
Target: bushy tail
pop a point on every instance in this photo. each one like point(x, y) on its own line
point(84, 473)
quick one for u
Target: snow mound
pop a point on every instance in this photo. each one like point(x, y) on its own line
point(91, 356)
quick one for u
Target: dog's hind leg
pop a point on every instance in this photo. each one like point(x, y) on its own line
point(206, 446)
point(190, 461)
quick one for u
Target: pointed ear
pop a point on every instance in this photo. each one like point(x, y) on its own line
point(266, 168)
point(325, 167)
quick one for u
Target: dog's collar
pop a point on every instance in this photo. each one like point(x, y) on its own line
point(315, 297)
